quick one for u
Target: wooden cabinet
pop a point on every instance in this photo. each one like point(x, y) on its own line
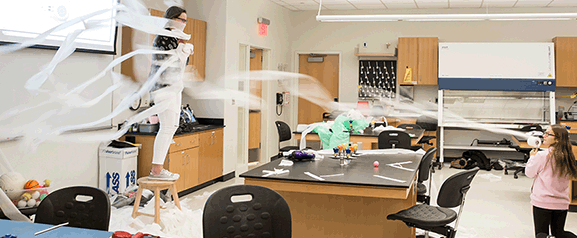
point(196, 157)
point(210, 155)
point(195, 28)
point(184, 163)
point(565, 61)
point(421, 55)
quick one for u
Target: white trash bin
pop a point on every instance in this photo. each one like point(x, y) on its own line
point(117, 169)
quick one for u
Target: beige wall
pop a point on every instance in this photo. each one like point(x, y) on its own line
point(241, 28)
point(310, 35)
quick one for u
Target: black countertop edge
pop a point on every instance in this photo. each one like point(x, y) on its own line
point(370, 134)
point(324, 182)
point(211, 121)
point(210, 127)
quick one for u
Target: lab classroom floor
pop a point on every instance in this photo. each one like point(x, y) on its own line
point(497, 205)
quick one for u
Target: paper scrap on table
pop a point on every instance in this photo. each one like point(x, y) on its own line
point(399, 166)
point(276, 172)
point(314, 176)
point(332, 175)
point(285, 162)
point(392, 179)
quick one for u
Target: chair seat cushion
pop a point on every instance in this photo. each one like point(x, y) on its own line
point(421, 189)
point(287, 148)
point(425, 216)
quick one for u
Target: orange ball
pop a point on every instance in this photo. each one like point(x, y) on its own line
point(31, 184)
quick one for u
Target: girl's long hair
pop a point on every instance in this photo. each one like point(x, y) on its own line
point(564, 163)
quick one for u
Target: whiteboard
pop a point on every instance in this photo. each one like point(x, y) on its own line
point(497, 60)
point(19, 66)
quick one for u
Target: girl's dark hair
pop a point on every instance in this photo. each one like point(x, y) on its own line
point(564, 163)
point(173, 12)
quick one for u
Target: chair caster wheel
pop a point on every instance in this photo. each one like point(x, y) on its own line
point(506, 172)
point(515, 176)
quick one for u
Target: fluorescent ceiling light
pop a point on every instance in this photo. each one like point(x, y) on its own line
point(448, 17)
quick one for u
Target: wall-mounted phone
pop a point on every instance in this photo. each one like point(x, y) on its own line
point(281, 99)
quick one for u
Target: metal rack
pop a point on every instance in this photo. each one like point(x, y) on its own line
point(377, 79)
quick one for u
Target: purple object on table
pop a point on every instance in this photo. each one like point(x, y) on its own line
point(301, 155)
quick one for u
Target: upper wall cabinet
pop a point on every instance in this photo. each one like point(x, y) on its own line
point(421, 55)
point(195, 28)
point(565, 61)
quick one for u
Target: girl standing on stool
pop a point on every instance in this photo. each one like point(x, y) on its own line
point(553, 170)
point(168, 91)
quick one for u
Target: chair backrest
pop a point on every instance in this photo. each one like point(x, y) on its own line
point(81, 206)
point(531, 128)
point(409, 126)
point(426, 165)
point(284, 131)
point(394, 139)
point(427, 123)
point(264, 214)
point(453, 189)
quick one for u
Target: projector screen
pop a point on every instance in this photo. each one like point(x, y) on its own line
point(24, 20)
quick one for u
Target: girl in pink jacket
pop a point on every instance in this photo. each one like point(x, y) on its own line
point(553, 170)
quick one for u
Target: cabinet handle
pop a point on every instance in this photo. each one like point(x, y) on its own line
point(177, 144)
point(192, 141)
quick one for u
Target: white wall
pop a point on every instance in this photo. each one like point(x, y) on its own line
point(241, 28)
point(64, 163)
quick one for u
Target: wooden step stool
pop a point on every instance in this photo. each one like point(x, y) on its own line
point(156, 186)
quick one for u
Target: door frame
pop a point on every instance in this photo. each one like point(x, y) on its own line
point(266, 95)
point(294, 118)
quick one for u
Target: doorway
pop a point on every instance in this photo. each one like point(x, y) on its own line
point(253, 116)
point(254, 113)
point(325, 68)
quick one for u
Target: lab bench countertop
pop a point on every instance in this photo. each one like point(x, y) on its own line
point(201, 128)
point(360, 171)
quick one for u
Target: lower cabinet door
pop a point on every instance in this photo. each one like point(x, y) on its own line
point(177, 164)
point(184, 163)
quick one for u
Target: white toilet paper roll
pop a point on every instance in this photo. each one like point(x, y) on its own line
point(534, 141)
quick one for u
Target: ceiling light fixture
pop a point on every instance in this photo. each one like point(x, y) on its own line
point(447, 17)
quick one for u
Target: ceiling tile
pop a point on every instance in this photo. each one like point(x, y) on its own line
point(306, 7)
point(347, 6)
point(334, 2)
point(499, 3)
point(431, 4)
point(464, 4)
point(365, 2)
point(563, 3)
point(370, 6)
point(386, 2)
point(532, 3)
point(401, 5)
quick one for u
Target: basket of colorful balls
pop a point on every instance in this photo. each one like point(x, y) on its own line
point(23, 193)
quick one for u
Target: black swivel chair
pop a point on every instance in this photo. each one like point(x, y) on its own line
point(394, 139)
point(425, 169)
point(410, 127)
point(436, 219)
point(526, 152)
point(81, 206)
point(284, 134)
point(266, 214)
point(429, 124)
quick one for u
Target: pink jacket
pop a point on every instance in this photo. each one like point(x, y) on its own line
point(548, 191)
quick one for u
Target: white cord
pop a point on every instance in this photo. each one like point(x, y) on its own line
point(320, 5)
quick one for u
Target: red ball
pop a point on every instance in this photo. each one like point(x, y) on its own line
point(31, 184)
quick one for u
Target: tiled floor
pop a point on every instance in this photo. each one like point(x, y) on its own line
point(497, 205)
